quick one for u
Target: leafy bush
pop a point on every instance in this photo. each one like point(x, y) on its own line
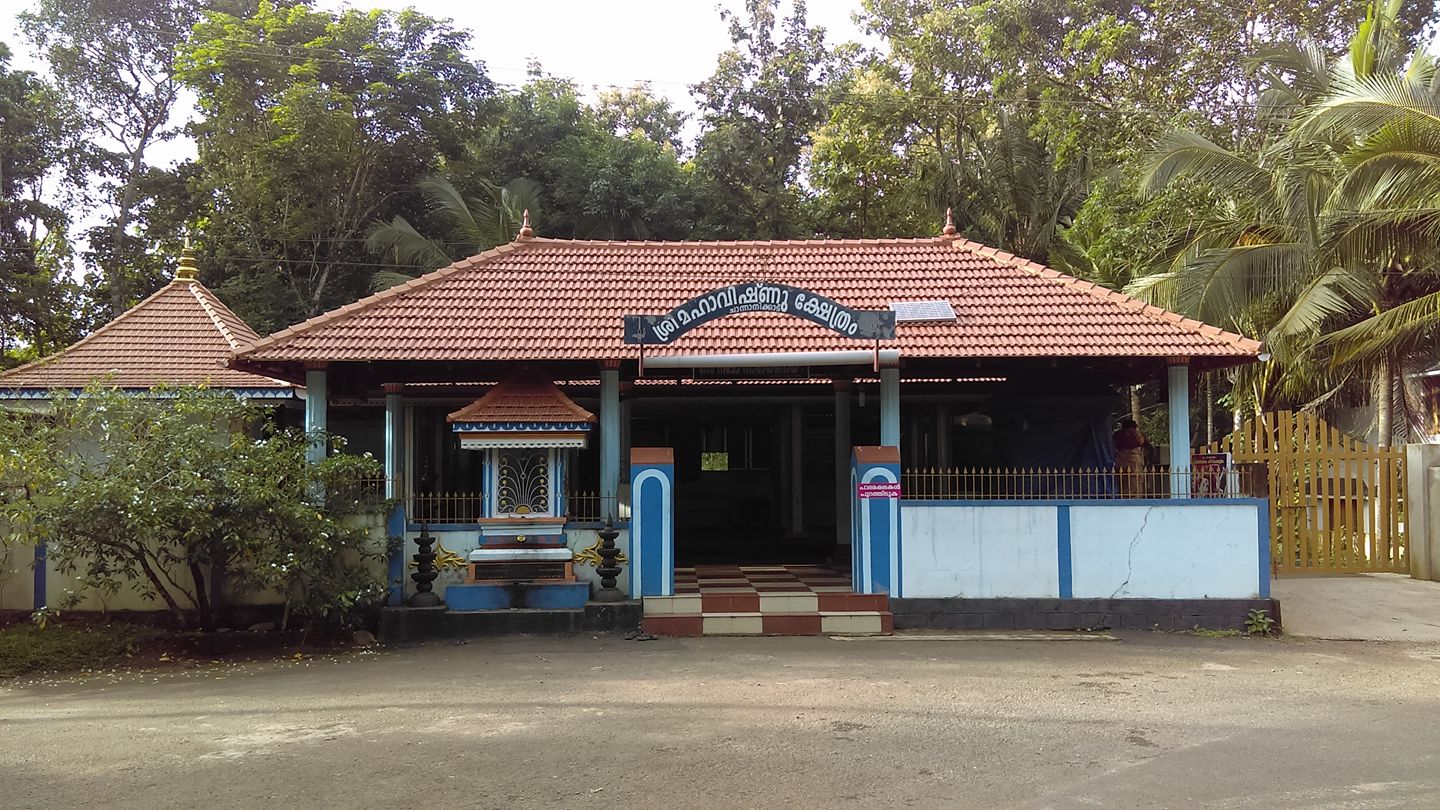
point(1258, 622)
point(157, 492)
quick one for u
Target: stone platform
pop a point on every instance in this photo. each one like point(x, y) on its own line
point(502, 596)
point(400, 624)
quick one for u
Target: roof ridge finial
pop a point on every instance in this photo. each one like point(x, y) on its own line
point(187, 271)
point(525, 231)
point(949, 229)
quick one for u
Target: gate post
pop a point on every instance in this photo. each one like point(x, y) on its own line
point(1422, 510)
point(652, 522)
point(875, 520)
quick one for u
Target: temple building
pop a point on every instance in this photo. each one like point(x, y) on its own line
point(788, 436)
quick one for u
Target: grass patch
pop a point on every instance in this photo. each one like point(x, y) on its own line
point(25, 648)
point(1205, 632)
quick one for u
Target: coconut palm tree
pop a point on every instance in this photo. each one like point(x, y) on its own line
point(1383, 220)
point(1248, 264)
point(1325, 241)
point(476, 224)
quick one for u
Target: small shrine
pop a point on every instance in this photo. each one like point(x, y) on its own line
point(526, 427)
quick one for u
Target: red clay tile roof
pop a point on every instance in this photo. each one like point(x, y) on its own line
point(523, 399)
point(181, 335)
point(551, 299)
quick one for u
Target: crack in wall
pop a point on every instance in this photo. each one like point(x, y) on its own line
point(1130, 554)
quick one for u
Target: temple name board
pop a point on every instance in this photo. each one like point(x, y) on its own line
point(877, 489)
point(760, 296)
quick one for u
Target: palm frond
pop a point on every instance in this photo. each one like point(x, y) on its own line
point(443, 198)
point(401, 243)
point(1382, 334)
point(1367, 104)
point(1329, 295)
point(385, 279)
point(1187, 155)
point(1361, 238)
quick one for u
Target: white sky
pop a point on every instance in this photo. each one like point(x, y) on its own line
point(671, 43)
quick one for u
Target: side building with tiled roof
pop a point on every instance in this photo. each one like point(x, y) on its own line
point(182, 335)
point(755, 367)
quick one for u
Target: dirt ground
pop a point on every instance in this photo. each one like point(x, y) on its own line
point(1369, 607)
point(1148, 720)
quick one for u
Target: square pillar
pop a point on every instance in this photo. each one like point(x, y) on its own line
point(1179, 403)
point(842, 469)
point(875, 520)
point(890, 407)
point(609, 440)
point(652, 522)
point(395, 487)
point(41, 571)
point(797, 471)
point(942, 436)
point(394, 441)
point(317, 393)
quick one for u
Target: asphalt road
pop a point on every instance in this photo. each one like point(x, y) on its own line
point(1150, 720)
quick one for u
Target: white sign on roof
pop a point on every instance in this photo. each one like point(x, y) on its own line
point(913, 311)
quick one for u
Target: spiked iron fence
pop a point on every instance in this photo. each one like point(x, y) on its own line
point(1010, 483)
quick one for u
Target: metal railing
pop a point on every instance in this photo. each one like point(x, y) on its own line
point(446, 507)
point(1006, 483)
point(468, 507)
point(583, 507)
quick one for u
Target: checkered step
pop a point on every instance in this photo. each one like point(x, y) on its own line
point(765, 601)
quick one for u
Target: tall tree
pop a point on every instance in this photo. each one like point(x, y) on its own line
point(638, 111)
point(38, 151)
point(759, 108)
point(115, 59)
point(313, 126)
point(609, 171)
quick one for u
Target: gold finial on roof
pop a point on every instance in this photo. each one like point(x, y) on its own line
point(525, 231)
point(187, 271)
point(949, 229)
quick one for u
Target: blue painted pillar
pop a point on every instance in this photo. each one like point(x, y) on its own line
point(875, 520)
point(395, 486)
point(890, 407)
point(41, 573)
point(317, 393)
point(394, 441)
point(652, 521)
point(1179, 402)
point(609, 442)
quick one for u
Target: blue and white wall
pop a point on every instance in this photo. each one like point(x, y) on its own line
point(1137, 549)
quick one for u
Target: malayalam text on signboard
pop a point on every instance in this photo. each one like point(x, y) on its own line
point(878, 489)
point(760, 296)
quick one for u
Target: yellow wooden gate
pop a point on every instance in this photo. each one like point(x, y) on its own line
point(1336, 504)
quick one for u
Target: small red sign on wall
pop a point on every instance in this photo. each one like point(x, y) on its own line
point(878, 489)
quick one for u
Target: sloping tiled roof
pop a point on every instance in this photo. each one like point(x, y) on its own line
point(181, 335)
point(551, 299)
point(523, 399)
